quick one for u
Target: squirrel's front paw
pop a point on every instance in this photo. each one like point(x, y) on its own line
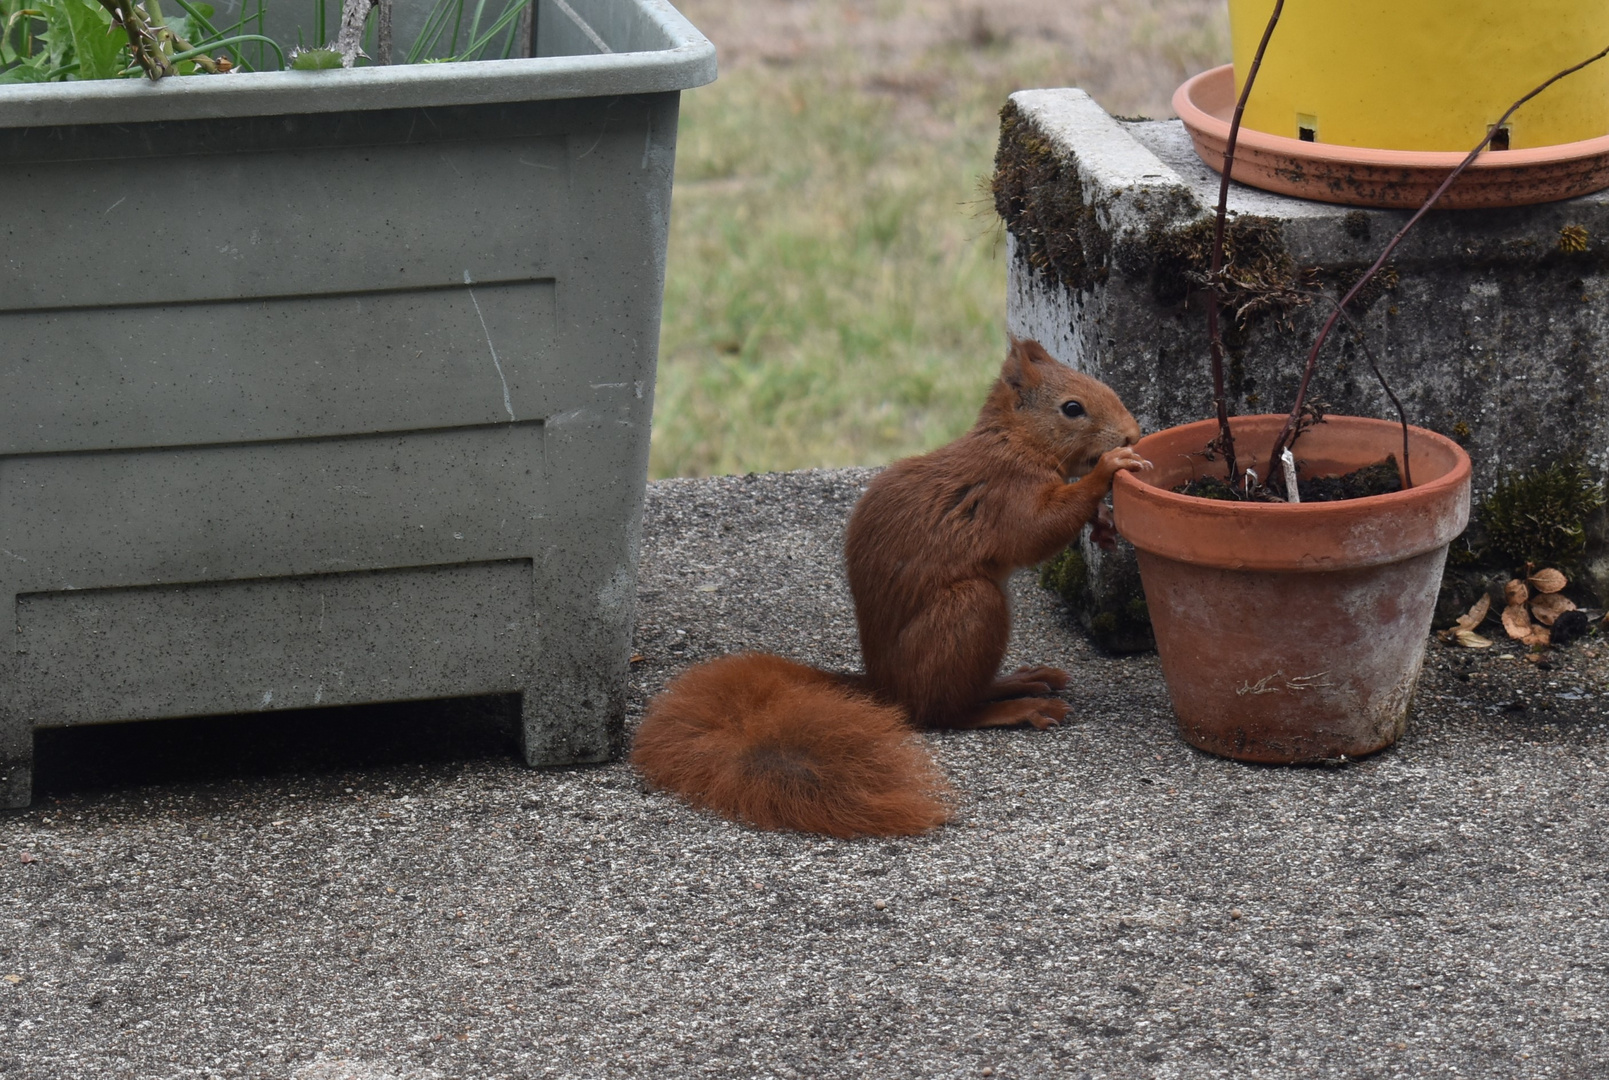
point(1123, 459)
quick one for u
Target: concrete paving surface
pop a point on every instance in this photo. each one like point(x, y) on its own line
point(385, 894)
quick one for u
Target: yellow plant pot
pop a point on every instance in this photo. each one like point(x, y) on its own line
point(1424, 74)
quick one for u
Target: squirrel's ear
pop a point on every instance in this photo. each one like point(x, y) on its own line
point(1024, 366)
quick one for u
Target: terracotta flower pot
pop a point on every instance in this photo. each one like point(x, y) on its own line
point(1293, 633)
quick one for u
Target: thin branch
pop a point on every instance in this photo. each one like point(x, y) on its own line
point(382, 31)
point(1288, 432)
point(1402, 414)
point(1226, 439)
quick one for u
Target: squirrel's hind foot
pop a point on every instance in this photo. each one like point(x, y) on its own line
point(1040, 712)
point(1029, 681)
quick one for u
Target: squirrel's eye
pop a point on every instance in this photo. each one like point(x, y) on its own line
point(1072, 409)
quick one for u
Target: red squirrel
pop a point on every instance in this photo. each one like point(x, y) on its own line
point(929, 548)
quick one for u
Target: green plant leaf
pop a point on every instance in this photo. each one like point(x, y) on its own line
point(315, 60)
point(100, 48)
point(58, 35)
point(36, 69)
point(511, 13)
point(183, 26)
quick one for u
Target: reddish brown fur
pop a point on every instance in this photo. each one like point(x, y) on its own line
point(935, 537)
point(929, 548)
point(784, 746)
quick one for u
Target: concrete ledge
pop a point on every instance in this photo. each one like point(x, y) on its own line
point(1491, 332)
point(1487, 327)
point(1109, 902)
point(1124, 180)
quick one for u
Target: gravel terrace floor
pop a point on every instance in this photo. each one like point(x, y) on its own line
point(386, 893)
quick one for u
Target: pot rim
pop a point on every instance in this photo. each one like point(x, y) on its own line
point(1450, 479)
point(1304, 536)
point(1198, 119)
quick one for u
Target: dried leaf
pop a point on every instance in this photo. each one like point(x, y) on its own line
point(1471, 640)
point(1550, 606)
point(1477, 614)
point(1515, 592)
point(1517, 621)
point(1547, 581)
point(1538, 638)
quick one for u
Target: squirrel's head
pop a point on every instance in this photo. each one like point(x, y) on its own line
point(1064, 412)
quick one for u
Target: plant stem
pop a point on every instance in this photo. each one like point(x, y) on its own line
point(382, 31)
point(1402, 414)
point(142, 38)
point(349, 39)
point(1226, 439)
point(198, 51)
point(1287, 433)
point(213, 36)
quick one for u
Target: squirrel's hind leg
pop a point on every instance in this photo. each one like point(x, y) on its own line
point(1029, 682)
point(1039, 712)
point(944, 669)
point(946, 657)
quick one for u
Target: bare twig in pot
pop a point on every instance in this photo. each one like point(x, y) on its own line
point(1226, 440)
point(1288, 434)
point(1374, 363)
point(382, 30)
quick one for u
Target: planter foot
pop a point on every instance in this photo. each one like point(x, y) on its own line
point(17, 775)
point(551, 736)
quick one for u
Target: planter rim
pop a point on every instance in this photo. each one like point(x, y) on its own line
point(1305, 536)
point(1308, 169)
point(687, 60)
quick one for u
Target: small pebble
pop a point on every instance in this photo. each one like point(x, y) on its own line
point(879, 904)
point(1235, 913)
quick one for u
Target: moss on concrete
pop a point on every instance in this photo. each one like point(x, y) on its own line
point(1547, 516)
point(1117, 619)
point(1038, 194)
point(1260, 270)
point(1540, 517)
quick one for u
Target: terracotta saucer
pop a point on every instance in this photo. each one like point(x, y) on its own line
point(1395, 179)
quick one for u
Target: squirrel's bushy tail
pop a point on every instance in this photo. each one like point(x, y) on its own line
point(782, 746)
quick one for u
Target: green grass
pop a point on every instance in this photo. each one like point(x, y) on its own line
point(835, 283)
point(835, 287)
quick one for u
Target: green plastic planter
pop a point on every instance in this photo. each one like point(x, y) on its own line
point(334, 387)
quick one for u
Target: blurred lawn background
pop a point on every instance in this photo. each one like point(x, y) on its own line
point(835, 288)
